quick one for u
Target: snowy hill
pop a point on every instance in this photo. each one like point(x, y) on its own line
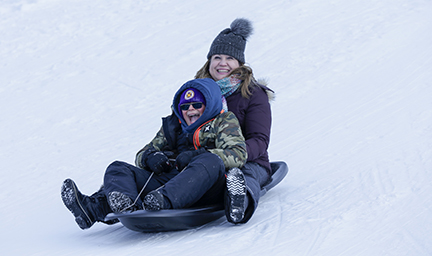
point(84, 83)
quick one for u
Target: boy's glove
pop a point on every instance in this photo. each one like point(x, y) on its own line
point(184, 158)
point(156, 161)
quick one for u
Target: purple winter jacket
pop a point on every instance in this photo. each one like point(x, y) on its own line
point(254, 115)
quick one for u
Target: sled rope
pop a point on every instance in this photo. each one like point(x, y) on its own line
point(139, 194)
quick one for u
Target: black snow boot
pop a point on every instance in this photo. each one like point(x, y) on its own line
point(120, 202)
point(86, 209)
point(236, 199)
point(155, 201)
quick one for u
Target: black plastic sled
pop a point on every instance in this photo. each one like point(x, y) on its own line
point(182, 219)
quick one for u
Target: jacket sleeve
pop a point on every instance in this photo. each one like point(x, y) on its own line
point(158, 143)
point(230, 144)
point(257, 125)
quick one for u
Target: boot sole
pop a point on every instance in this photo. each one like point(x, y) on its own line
point(236, 186)
point(152, 202)
point(119, 202)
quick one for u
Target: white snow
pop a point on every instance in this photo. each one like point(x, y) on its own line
point(84, 83)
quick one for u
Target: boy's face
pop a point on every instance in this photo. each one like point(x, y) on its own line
point(193, 111)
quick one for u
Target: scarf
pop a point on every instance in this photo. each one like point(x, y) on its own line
point(228, 86)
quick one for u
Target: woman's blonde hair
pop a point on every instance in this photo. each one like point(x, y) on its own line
point(243, 73)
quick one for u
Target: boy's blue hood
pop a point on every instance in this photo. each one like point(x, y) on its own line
point(212, 94)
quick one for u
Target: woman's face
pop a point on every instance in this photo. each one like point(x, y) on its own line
point(222, 65)
point(193, 111)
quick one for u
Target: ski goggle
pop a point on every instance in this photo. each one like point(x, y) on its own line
point(195, 105)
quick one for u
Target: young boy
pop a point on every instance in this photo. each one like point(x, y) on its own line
point(190, 155)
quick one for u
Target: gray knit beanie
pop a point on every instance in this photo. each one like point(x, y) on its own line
point(232, 41)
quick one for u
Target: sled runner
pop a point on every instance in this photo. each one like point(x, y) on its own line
point(181, 219)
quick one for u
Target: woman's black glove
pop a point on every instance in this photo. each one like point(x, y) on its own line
point(184, 158)
point(156, 161)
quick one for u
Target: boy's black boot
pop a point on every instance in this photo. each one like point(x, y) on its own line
point(86, 209)
point(120, 202)
point(155, 201)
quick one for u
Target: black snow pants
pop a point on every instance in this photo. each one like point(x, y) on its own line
point(200, 183)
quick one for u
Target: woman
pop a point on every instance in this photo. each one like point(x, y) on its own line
point(190, 155)
point(249, 101)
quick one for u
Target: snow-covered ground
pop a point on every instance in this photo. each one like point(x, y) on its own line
point(84, 83)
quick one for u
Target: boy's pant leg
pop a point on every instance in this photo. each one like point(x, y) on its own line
point(129, 180)
point(201, 181)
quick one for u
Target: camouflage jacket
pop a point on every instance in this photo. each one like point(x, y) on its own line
point(221, 136)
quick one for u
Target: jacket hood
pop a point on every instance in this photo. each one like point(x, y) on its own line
point(212, 94)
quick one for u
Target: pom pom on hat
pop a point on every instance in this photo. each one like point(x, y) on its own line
point(242, 27)
point(232, 41)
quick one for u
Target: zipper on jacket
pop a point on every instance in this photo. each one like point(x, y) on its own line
point(196, 134)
